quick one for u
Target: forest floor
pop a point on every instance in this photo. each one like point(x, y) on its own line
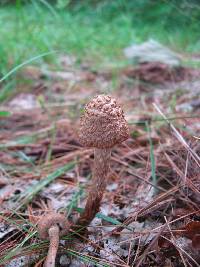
point(150, 211)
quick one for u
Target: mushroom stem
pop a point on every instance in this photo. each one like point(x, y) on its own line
point(52, 226)
point(53, 246)
point(99, 182)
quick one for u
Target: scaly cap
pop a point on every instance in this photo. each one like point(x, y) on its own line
point(52, 219)
point(103, 124)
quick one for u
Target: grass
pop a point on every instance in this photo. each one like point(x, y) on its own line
point(38, 32)
point(28, 195)
point(98, 33)
point(33, 30)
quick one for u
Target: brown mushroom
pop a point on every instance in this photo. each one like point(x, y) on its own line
point(102, 126)
point(52, 226)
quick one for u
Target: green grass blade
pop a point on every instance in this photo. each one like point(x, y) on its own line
point(51, 9)
point(87, 259)
point(74, 201)
point(13, 252)
point(5, 113)
point(102, 216)
point(152, 158)
point(33, 190)
point(25, 158)
point(25, 63)
point(23, 140)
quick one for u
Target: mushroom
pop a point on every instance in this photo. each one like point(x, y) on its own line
point(102, 127)
point(52, 226)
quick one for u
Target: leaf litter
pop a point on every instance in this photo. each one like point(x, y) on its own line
point(150, 211)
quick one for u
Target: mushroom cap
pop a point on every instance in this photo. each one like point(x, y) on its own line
point(52, 219)
point(103, 124)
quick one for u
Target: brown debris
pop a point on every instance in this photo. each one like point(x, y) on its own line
point(39, 141)
point(155, 72)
